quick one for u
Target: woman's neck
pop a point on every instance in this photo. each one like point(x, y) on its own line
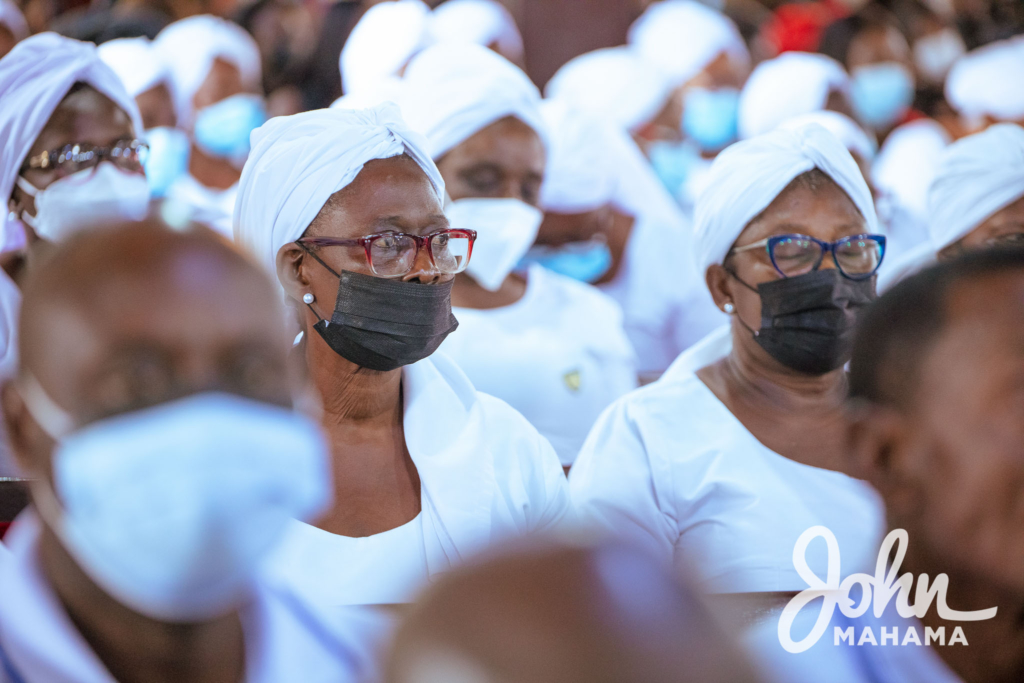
point(218, 174)
point(352, 395)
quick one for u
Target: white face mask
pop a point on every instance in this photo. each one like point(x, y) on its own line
point(170, 509)
point(934, 54)
point(103, 194)
point(506, 229)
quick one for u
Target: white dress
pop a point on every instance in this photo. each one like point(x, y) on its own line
point(559, 356)
point(286, 639)
point(671, 468)
point(485, 474)
point(209, 206)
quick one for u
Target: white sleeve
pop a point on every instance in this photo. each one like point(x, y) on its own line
point(612, 485)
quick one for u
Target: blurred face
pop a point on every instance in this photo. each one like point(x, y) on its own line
point(223, 81)
point(1003, 228)
point(562, 228)
point(156, 107)
point(505, 160)
point(7, 40)
point(876, 45)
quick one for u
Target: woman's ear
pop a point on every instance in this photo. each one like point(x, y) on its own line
point(718, 281)
point(291, 272)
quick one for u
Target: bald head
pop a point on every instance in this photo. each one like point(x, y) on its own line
point(562, 614)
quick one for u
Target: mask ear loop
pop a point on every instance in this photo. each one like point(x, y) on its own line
point(733, 274)
point(329, 269)
point(32, 191)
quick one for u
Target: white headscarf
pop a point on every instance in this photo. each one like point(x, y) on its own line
point(793, 83)
point(34, 78)
point(978, 176)
point(484, 22)
point(453, 91)
point(136, 63)
point(188, 48)
point(749, 175)
point(382, 42)
point(681, 37)
point(613, 83)
point(13, 19)
point(297, 162)
point(989, 81)
point(581, 172)
point(842, 126)
point(906, 164)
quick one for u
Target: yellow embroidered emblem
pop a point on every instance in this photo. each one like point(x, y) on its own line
point(572, 380)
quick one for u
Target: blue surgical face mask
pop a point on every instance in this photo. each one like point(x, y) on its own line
point(222, 130)
point(881, 93)
point(168, 158)
point(583, 261)
point(710, 117)
point(673, 162)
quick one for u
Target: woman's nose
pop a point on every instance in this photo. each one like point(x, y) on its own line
point(423, 270)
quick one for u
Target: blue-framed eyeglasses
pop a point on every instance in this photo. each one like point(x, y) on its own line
point(857, 257)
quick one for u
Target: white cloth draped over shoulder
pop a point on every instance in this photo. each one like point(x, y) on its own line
point(486, 475)
point(671, 468)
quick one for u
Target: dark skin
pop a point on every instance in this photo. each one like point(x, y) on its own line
point(91, 339)
point(7, 41)
point(156, 107)
point(505, 160)
point(796, 415)
point(605, 223)
point(1005, 224)
point(223, 81)
point(376, 486)
point(947, 459)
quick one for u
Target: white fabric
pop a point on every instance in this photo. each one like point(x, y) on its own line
point(907, 162)
point(978, 175)
point(13, 19)
point(842, 126)
point(580, 175)
point(506, 228)
point(613, 83)
point(453, 91)
point(387, 89)
point(749, 175)
point(986, 82)
point(203, 204)
point(286, 639)
point(485, 474)
point(297, 162)
point(10, 308)
point(793, 83)
point(669, 467)
point(382, 42)
point(34, 78)
point(681, 37)
point(559, 356)
point(135, 62)
point(188, 48)
point(484, 22)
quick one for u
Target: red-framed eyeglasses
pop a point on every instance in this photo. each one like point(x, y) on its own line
point(393, 254)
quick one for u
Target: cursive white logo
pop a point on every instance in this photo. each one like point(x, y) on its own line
point(881, 587)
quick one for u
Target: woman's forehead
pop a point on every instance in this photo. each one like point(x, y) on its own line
point(85, 115)
point(823, 211)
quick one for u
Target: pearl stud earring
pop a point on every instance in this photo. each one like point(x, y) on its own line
point(307, 298)
point(729, 308)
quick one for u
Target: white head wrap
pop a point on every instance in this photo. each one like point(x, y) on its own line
point(749, 175)
point(34, 78)
point(842, 126)
point(453, 91)
point(614, 83)
point(484, 22)
point(681, 37)
point(136, 63)
point(188, 49)
point(383, 41)
point(13, 19)
point(989, 81)
point(907, 162)
point(793, 83)
point(388, 89)
point(978, 176)
point(297, 162)
point(581, 172)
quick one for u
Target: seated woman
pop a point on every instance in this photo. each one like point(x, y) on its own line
point(553, 347)
point(347, 208)
point(725, 461)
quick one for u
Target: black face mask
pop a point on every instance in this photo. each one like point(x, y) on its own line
point(383, 324)
point(808, 321)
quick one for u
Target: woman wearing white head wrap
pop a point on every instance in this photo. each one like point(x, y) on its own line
point(733, 453)
point(984, 85)
point(793, 83)
point(549, 345)
point(383, 42)
point(484, 22)
point(427, 470)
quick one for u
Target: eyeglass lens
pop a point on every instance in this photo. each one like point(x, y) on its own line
point(393, 255)
point(855, 257)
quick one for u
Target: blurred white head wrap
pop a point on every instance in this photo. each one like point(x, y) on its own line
point(13, 19)
point(382, 42)
point(989, 81)
point(613, 83)
point(484, 22)
point(135, 62)
point(581, 173)
point(978, 176)
point(681, 37)
point(188, 49)
point(842, 126)
point(793, 83)
point(453, 91)
point(907, 162)
point(747, 177)
point(34, 78)
point(297, 162)
point(387, 89)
